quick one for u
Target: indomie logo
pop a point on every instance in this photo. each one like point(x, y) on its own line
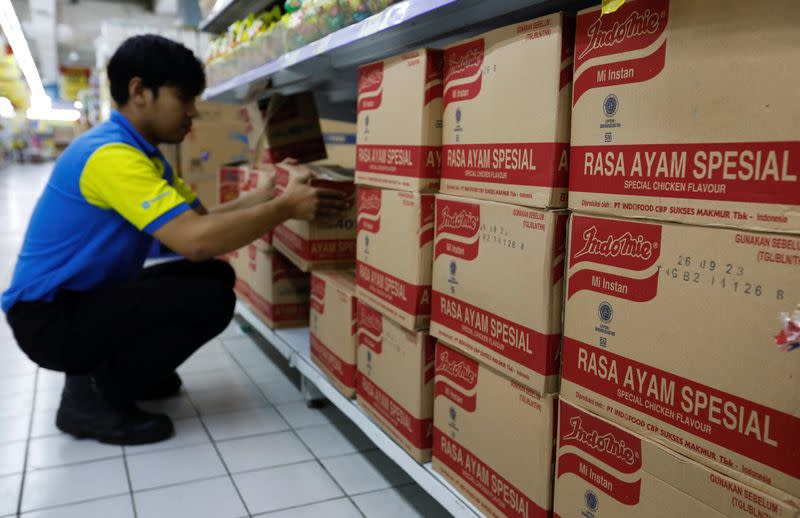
point(463, 62)
point(370, 200)
point(370, 80)
point(371, 321)
point(625, 245)
point(458, 369)
point(636, 24)
point(459, 220)
point(605, 443)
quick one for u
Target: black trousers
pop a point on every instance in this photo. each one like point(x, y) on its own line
point(133, 334)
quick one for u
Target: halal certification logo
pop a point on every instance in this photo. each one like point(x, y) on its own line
point(605, 312)
point(610, 105)
point(452, 279)
point(591, 501)
point(453, 426)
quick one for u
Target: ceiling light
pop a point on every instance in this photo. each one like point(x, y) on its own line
point(6, 108)
point(19, 46)
point(78, 105)
point(53, 114)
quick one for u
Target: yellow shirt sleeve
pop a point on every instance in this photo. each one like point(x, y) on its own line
point(122, 178)
point(189, 195)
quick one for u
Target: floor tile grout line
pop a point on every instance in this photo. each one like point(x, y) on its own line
point(227, 470)
point(72, 464)
point(294, 430)
point(299, 506)
point(182, 483)
point(75, 503)
point(250, 378)
point(130, 483)
point(27, 447)
point(357, 451)
point(219, 454)
point(330, 475)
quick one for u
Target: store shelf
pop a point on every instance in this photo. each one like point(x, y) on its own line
point(228, 11)
point(293, 344)
point(332, 62)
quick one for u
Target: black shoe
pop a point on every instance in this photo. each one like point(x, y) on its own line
point(164, 388)
point(85, 413)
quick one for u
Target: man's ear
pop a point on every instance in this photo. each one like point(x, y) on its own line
point(137, 91)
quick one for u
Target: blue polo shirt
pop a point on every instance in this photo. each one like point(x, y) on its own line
point(92, 226)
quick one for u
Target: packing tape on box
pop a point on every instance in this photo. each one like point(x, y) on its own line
point(609, 6)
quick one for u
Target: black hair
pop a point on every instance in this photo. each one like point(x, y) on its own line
point(159, 62)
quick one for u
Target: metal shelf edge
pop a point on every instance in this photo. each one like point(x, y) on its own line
point(442, 491)
point(392, 16)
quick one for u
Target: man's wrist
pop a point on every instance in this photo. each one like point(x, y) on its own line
point(283, 208)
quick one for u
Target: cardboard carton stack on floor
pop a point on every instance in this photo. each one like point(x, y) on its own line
point(274, 269)
point(274, 288)
point(397, 169)
point(677, 331)
point(498, 264)
point(333, 327)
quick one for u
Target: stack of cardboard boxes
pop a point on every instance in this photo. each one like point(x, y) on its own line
point(679, 391)
point(273, 272)
point(397, 170)
point(674, 392)
point(333, 327)
point(498, 264)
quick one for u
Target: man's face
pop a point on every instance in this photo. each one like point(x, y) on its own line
point(170, 115)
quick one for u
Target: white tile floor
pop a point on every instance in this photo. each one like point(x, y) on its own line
point(246, 444)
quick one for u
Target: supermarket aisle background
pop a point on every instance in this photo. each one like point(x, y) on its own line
point(246, 444)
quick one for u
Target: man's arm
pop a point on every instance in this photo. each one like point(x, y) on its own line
point(250, 199)
point(200, 237)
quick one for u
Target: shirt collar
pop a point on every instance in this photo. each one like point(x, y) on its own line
point(124, 123)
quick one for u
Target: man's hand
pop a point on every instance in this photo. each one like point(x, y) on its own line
point(302, 201)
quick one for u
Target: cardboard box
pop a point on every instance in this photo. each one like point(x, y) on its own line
point(291, 130)
point(319, 245)
point(606, 470)
point(253, 117)
point(493, 438)
point(395, 380)
point(334, 326)
point(238, 261)
point(671, 331)
point(394, 254)
point(340, 143)
point(252, 181)
point(218, 137)
point(215, 189)
point(497, 286)
point(665, 128)
point(507, 114)
point(278, 292)
point(399, 122)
